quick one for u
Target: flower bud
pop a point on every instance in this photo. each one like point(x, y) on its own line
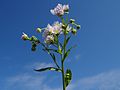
point(74, 31)
point(78, 26)
point(63, 26)
point(24, 36)
point(38, 30)
point(33, 38)
point(72, 20)
point(33, 46)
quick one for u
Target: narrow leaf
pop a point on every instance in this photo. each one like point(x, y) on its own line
point(66, 41)
point(48, 68)
point(67, 52)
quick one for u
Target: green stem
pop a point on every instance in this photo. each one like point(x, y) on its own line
point(62, 62)
point(63, 76)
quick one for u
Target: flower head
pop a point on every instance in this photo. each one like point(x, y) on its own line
point(69, 28)
point(57, 28)
point(49, 39)
point(66, 8)
point(60, 9)
point(48, 30)
point(24, 36)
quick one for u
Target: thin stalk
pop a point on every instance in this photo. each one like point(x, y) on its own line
point(63, 77)
point(62, 64)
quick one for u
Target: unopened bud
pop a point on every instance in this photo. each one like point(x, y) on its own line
point(38, 30)
point(33, 38)
point(78, 26)
point(72, 20)
point(24, 36)
point(63, 26)
point(74, 31)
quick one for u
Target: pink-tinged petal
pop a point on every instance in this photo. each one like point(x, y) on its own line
point(52, 11)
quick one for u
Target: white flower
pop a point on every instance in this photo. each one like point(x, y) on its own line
point(48, 30)
point(57, 28)
point(24, 36)
point(66, 8)
point(58, 10)
point(69, 28)
point(49, 39)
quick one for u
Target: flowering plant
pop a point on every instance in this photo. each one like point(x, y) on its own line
point(52, 43)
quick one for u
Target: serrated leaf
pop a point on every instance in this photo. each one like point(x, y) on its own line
point(48, 68)
point(68, 77)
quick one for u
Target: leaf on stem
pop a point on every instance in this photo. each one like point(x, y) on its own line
point(68, 77)
point(66, 41)
point(48, 68)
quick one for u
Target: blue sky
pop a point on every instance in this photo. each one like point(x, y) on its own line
point(95, 62)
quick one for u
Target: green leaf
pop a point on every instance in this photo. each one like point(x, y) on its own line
point(68, 39)
point(68, 77)
point(66, 42)
point(67, 52)
point(56, 39)
point(48, 68)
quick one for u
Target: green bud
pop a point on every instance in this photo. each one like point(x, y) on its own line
point(72, 20)
point(33, 48)
point(39, 30)
point(74, 31)
point(64, 26)
point(33, 38)
point(78, 26)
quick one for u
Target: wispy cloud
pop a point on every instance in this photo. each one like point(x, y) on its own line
point(38, 65)
point(104, 81)
point(26, 81)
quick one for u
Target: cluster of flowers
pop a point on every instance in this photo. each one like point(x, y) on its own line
point(56, 28)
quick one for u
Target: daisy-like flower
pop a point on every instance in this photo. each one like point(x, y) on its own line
point(49, 30)
point(69, 28)
point(57, 28)
point(66, 8)
point(58, 10)
point(49, 39)
point(24, 36)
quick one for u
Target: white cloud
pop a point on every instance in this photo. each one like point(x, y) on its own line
point(104, 81)
point(38, 65)
point(27, 81)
